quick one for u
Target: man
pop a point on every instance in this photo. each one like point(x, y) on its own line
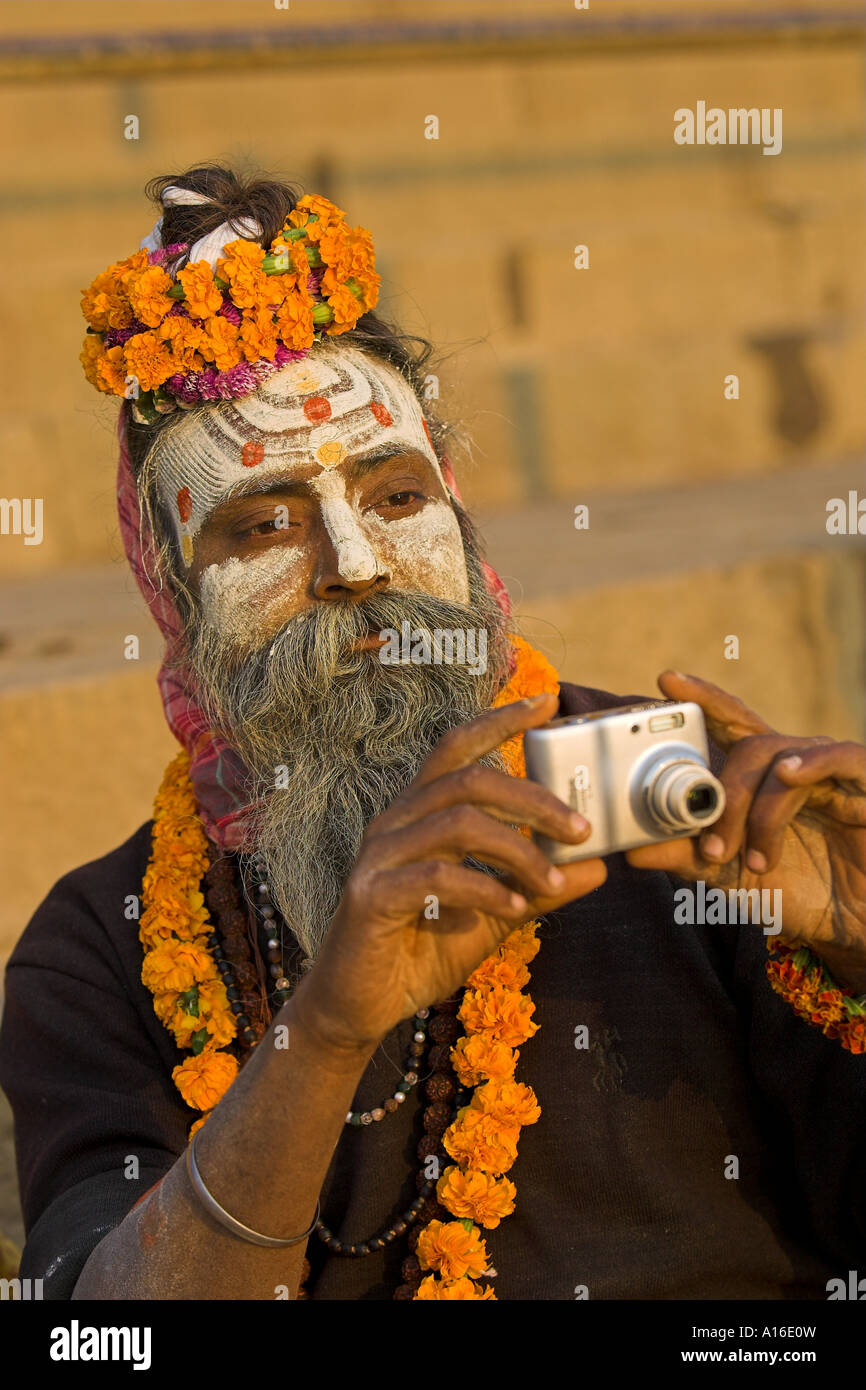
point(357, 825)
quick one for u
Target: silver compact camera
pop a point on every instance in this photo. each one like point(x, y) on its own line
point(638, 773)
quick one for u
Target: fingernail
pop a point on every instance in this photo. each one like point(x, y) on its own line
point(714, 847)
point(679, 675)
point(577, 823)
point(791, 764)
point(555, 879)
point(533, 700)
point(518, 902)
point(756, 861)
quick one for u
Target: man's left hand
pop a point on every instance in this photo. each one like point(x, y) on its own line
point(795, 819)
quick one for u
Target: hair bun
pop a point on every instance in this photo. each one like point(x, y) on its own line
point(214, 195)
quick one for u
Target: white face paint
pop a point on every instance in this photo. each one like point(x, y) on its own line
point(355, 559)
point(278, 433)
point(332, 404)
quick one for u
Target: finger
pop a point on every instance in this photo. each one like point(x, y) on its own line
point(581, 876)
point(842, 761)
point(466, 830)
point(774, 807)
point(512, 799)
point(743, 776)
point(408, 888)
point(467, 742)
point(728, 720)
point(679, 856)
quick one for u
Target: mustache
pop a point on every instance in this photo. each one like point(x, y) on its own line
point(317, 648)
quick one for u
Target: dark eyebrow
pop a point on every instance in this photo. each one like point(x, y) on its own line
point(366, 463)
point(297, 487)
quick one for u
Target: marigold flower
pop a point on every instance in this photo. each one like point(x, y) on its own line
point(476, 1140)
point(202, 298)
point(503, 1014)
point(452, 1290)
point(104, 304)
point(111, 371)
point(476, 1196)
point(345, 308)
point(450, 1248)
point(148, 295)
point(177, 965)
point(327, 214)
point(148, 359)
point(295, 323)
point(184, 337)
point(510, 1103)
point(259, 335)
point(336, 253)
point(91, 351)
point(478, 1058)
point(240, 265)
point(507, 971)
point(220, 344)
point(204, 1080)
point(522, 944)
point(175, 910)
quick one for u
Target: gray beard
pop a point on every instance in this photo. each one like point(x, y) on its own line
point(332, 736)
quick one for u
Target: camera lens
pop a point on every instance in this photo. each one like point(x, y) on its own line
point(701, 800)
point(683, 795)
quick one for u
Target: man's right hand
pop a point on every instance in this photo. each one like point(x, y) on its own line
point(383, 957)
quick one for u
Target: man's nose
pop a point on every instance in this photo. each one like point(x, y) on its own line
point(347, 562)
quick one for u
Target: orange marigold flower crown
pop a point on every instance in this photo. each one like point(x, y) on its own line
point(174, 340)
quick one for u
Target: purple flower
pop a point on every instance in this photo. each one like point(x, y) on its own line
point(284, 355)
point(207, 385)
point(230, 312)
point(240, 379)
point(165, 253)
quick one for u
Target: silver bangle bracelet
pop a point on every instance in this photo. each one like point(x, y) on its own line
point(220, 1214)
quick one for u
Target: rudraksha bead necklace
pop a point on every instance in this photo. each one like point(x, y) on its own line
point(254, 1004)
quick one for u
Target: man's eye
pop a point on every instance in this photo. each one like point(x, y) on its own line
point(269, 526)
point(401, 499)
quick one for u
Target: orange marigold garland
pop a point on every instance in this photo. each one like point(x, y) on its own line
point(497, 1019)
point(214, 334)
point(189, 997)
point(803, 980)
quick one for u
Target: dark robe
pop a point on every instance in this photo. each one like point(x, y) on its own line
point(626, 1187)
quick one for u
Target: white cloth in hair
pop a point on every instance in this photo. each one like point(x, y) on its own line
point(208, 248)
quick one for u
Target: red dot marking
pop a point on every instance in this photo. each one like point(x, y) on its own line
point(184, 505)
point(252, 453)
point(382, 413)
point(317, 409)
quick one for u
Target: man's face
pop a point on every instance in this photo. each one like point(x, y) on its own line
point(313, 515)
point(326, 489)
